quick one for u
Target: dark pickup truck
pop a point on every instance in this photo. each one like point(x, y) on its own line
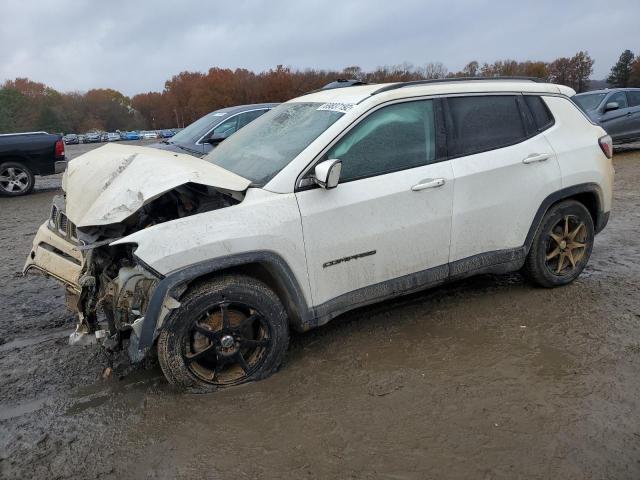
point(24, 155)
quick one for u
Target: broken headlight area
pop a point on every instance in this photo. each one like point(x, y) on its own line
point(107, 285)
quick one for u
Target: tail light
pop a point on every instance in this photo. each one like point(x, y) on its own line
point(606, 144)
point(59, 151)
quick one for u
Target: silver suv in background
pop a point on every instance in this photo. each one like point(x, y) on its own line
point(204, 134)
point(617, 110)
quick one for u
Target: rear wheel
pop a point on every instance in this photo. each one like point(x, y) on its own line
point(15, 179)
point(562, 246)
point(228, 331)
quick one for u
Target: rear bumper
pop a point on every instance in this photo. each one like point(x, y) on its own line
point(56, 257)
point(60, 166)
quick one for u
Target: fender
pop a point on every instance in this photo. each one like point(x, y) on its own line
point(599, 222)
point(275, 264)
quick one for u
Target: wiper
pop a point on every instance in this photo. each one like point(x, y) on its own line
point(185, 148)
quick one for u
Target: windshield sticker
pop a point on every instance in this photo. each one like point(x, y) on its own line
point(219, 114)
point(337, 107)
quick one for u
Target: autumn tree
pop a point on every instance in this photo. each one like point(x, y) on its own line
point(634, 76)
point(621, 71)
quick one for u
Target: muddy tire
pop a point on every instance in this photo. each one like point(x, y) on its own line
point(16, 179)
point(228, 331)
point(562, 245)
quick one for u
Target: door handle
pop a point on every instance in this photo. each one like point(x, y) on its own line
point(428, 183)
point(536, 157)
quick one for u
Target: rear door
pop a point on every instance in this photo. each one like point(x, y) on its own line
point(390, 215)
point(504, 168)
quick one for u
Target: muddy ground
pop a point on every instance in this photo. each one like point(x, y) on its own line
point(484, 378)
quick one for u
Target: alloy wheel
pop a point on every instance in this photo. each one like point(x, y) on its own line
point(14, 180)
point(566, 246)
point(227, 344)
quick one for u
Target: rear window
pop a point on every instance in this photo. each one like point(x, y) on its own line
point(484, 123)
point(542, 117)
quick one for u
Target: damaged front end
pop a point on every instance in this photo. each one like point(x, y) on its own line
point(105, 283)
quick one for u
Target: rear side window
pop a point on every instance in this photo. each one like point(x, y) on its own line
point(542, 117)
point(634, 98)
point(484, 123)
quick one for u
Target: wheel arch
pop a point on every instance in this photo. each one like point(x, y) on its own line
point(589, 194)
point(265, 266)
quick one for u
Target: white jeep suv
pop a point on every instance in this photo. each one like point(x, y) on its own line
point(333, 200)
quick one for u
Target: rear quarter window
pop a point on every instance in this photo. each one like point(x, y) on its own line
point(542, 117)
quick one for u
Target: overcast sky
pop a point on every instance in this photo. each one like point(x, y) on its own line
point(134, 46)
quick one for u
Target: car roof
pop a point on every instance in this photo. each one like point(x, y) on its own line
point(609, 90)
point(357, 94)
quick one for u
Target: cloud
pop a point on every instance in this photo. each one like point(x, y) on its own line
point(136, 46)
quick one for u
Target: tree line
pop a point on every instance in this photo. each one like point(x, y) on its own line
point(26, 105)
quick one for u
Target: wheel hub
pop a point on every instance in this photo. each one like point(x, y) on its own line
point(227, 341)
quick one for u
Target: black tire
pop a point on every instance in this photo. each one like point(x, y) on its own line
point(191, 347)
point(16, 179)
point(555, 257)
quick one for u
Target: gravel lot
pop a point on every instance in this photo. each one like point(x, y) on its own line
point(484, 378)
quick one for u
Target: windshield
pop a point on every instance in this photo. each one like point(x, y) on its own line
point(260, 150)
point(590, 101)
point(192, 133)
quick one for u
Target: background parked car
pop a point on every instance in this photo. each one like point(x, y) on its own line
point(148, 134)
point(71, 139)
point(23, 155)
point(82, 139)
point(204, 134)
point(113, 137)
point(92, 137)
point(132, 136)
point(167, 133)
point(617, 110)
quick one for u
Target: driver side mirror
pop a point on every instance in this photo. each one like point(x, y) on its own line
point(216, 138)
point(327, 173)
point(611, 106)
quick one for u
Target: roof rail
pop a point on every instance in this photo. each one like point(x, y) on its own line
point(453, 79)
point(338, 83)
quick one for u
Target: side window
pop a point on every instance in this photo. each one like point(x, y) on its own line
point(248, 117)
point(539, 111)
point(620, 98)
point(634, 98)
point(484, 123)
point(396, 137)
point(227, 127)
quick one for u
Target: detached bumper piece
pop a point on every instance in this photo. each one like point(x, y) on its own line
point(54, 256)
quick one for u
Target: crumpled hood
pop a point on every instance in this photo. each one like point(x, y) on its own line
point(110, 183)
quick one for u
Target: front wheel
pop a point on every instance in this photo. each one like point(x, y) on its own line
point(15, 179)
point(562, 245)
point(228, 331)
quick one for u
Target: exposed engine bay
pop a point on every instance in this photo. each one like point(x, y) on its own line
point(108, 279)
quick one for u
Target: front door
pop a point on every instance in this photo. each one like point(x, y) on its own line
point(617, 122)
point(389, 217)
